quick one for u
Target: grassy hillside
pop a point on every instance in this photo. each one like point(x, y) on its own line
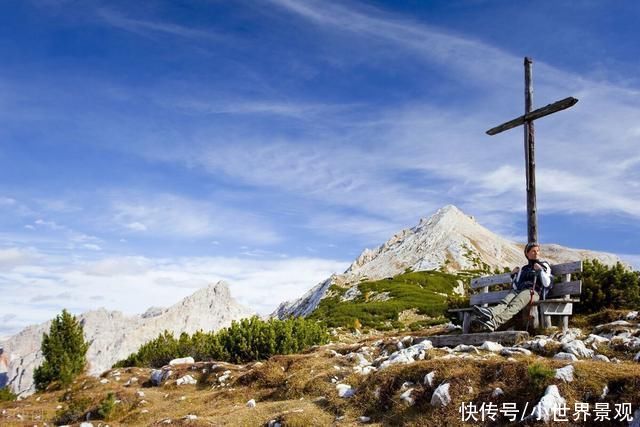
point(380, 302)
point(302, 389)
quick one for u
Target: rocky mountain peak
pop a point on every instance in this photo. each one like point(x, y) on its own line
point(114, 335)
point(449, 240)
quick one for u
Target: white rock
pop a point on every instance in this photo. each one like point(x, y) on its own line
point(497, 392)
point(140, 393)
point(345, 391)
point(104, 381)
point(605, 391)
point(142, 402)
point(407, 355)
point(633, 343)
point(428, 379)
point(86, 425)
point(351, 294)
point(632, 315)
point(144, 411)
point(569, 335)
point(450, 326)
point(186, 380)
point(182, 361)
point(132, 380)
point(595, 340)
point(364, 370)
point(405, 385)
point(251, 403)
point(273, 423)
point(441, 395)
point(548, 404)
point(359, 359)
point(578, 349)
point(407, 398)
point(565, 356)
point(511, 351)
point(190, 417)
point(565, 374)
point(226, 374)
point(364, 419)
point(637, 357)
point(491, 346)
point(464, 348)
point(601, 358)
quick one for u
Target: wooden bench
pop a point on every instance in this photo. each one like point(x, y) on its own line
point(559, 301)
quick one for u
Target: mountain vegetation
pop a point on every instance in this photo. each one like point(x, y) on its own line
point(64, 350)
point(246, 340)
point(378, 304)
point(608, 287)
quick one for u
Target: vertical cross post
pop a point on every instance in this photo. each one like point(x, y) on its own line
point(526, 120)
point(529, 154)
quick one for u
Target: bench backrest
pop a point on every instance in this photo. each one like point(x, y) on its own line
point(565, 288)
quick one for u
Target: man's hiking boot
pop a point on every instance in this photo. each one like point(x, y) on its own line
point(486, 323)
point(482, 312)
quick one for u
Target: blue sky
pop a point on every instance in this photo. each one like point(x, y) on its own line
point(150, 148)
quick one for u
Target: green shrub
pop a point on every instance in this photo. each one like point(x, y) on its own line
point(608, 287)
point(6, 395)
point(64, 351)
point(107, 407)
point(539, 375)
point(73, 412)
point(244, 341)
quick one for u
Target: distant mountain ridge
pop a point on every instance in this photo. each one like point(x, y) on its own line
point(114, 336)
point(448, 240)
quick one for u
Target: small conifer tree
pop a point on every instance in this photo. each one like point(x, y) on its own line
point(64, 350)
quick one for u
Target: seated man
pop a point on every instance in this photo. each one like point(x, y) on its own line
point(527, 284)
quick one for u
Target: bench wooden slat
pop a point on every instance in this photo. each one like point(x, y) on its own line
point(566, 288)
point(498, 279)
point(488, 298)
point(566, 268)
point(559, 289)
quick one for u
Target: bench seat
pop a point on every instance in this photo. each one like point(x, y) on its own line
point(559, 301)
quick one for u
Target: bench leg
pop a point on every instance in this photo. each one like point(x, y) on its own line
point(565, 323)
point(466, 322)
point(535, 319)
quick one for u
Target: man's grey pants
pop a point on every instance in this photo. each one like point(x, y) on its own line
point(511, 305)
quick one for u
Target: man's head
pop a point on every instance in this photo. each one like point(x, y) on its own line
point(532, 251)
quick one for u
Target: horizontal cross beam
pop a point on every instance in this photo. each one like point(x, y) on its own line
point(536, 114)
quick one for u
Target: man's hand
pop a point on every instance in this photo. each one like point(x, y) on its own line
point(537, 266)
point(515, 270)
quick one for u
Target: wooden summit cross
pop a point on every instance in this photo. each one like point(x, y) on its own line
point(529, 142)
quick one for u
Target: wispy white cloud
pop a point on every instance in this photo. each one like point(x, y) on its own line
point(170, 215)
point(13, 257)
point(149, 27)
point(585, 160)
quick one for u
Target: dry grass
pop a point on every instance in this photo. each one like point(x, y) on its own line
point(300, 390)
